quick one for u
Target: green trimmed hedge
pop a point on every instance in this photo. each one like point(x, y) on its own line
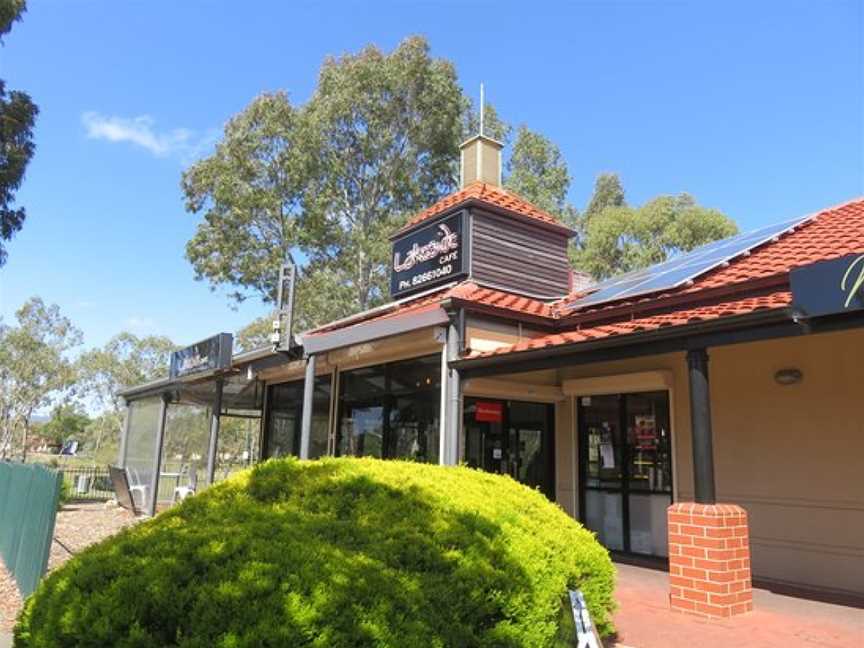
point(336, 552)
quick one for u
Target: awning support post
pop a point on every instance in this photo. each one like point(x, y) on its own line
point(306, 419)
point(215, 422)
point(454, 391)
point(700, 418)
point(124, 436)
point(157, 460)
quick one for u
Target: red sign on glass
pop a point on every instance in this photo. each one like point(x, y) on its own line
point(489, 412)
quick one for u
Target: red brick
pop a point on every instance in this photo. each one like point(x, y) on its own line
point(689, 572)
point(696, 595)
point(712, 588)
point(710, 543)
point(720, 532)
point(705, 520)
point(725, 600)
point(742, 608)
point(713, 610)
point(681, 604)
point(710, 565)
point(721, 577)
point(695, 552)
point(679, 539)
point(692, 530)
point(680, 581)
point(720, 554)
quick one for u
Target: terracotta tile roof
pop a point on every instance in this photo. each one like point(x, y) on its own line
point(831, 233)
point(467, 291)
point(471, 292)
point(828, 234)
point(727, 308)
point(491, 195)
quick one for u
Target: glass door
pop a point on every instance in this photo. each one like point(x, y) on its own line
point(512, 438)
point(626, 468)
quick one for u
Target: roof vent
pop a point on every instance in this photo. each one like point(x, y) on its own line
point(480, 161)
point(480, 156)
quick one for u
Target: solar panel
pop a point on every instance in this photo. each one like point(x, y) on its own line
point(679, 270)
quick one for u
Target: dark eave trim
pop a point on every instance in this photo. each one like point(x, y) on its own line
point(753, 327)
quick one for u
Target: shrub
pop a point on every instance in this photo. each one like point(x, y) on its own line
point(335, 552)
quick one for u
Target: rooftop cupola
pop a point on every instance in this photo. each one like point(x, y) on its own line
point(480, 161)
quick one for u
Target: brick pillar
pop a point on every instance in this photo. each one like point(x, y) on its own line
point(709, 560)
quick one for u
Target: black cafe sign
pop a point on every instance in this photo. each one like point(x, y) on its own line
point(429, 256)
point(829, 287)
point(206, 355)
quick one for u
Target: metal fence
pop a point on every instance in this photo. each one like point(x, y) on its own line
point(28, 509)
point(87, 483)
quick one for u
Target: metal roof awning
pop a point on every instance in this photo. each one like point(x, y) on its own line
point(240, 388)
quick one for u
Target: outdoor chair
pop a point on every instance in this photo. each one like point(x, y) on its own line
point(137, 486)
point(182, 492)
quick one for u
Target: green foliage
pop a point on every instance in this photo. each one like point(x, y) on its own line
point(538, 172)
point(66, 422)
point(330, 179)
point(17, 118)
point(619, 239)
point(34, 367)
point(608, 192)
point(124, 361)
point(65, 495)
point(336, 552)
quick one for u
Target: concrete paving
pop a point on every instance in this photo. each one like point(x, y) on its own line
point(5, 640)
point(644, 620)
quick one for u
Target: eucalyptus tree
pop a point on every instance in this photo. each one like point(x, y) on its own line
point(17, 118)
point(619, 239)
point(327, 181)
point(35, 367)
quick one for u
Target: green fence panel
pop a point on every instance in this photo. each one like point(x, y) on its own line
point(28, 510)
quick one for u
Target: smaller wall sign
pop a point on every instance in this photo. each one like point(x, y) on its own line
point(206, 355)
point(829, 287)
point(489, 412)
point(429, 256)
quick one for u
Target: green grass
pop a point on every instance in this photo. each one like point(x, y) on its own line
point(336, 552)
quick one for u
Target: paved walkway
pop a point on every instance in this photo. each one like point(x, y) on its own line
point(644, 620)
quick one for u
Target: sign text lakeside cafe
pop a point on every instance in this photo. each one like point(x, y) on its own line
point(704, 413)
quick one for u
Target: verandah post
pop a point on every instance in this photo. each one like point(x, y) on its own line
point(306, 418)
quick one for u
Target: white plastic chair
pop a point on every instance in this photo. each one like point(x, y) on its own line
point(182, 492)
point(137, 486)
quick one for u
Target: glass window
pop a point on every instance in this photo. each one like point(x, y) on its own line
point(285, 419)
point(602, 425)
point(391, 411)
point(320, 417)
point(648, 442)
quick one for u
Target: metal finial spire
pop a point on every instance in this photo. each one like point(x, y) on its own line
point(482, 108)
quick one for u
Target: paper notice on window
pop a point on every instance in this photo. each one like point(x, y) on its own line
point(607, 455)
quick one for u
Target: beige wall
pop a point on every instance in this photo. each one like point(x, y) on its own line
point(793, 456)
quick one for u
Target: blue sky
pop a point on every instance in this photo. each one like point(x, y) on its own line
point(755, 108)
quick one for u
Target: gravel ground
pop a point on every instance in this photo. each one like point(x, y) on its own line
point(77, 527)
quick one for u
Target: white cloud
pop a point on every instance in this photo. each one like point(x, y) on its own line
point(141, 131)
